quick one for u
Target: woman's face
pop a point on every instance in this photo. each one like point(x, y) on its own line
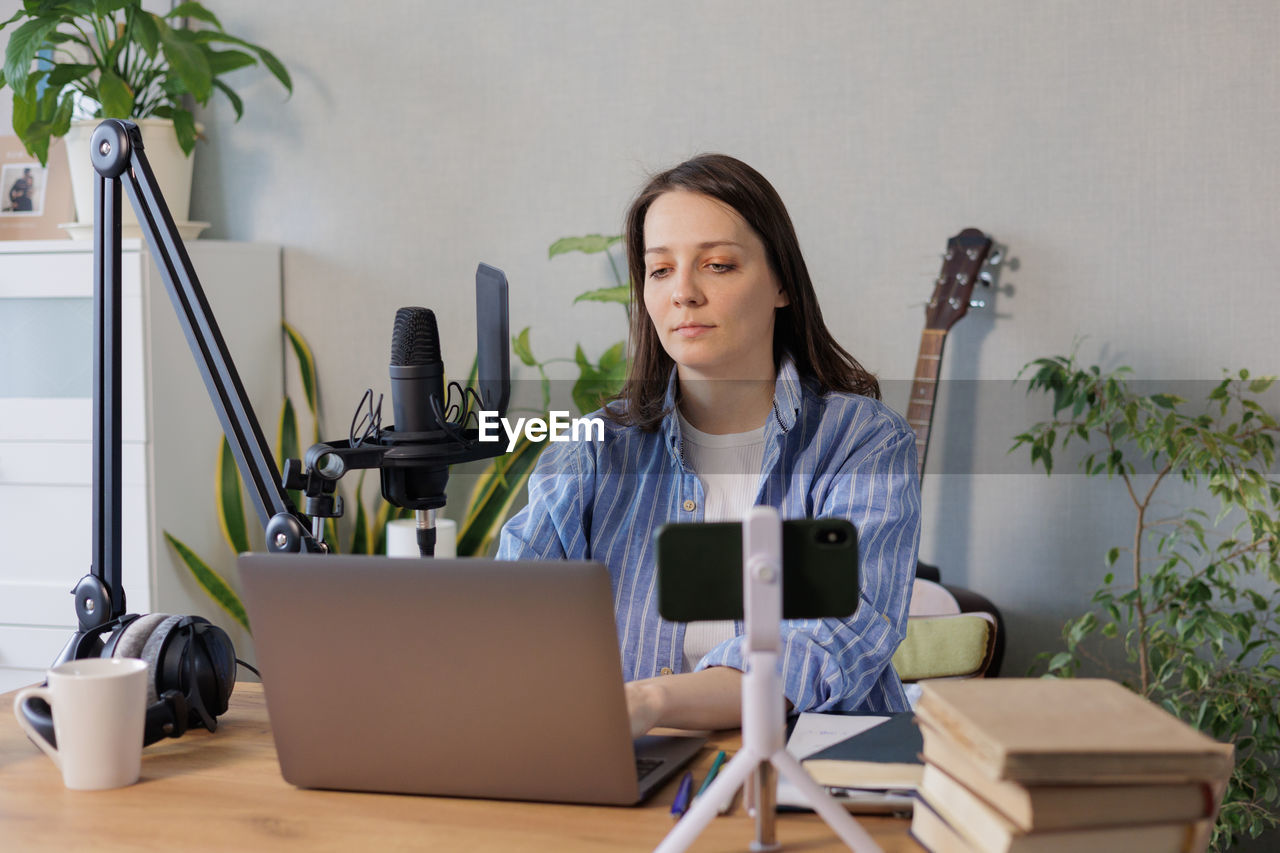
point(708, 288)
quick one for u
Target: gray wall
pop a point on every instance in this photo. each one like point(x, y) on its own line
point(1124, 153)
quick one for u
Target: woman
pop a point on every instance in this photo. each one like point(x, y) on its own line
point(736, 395)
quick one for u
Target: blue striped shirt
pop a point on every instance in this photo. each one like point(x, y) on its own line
point(826, 455)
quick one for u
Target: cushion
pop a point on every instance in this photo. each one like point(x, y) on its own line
point(952, 646)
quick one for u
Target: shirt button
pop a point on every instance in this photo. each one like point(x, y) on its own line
point(690, 506)
point(666, 670)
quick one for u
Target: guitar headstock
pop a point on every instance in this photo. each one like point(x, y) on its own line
point(966, 253)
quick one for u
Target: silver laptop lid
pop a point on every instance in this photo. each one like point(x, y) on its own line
point(453, 677)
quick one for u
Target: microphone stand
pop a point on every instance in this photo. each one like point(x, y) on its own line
point(118, 157)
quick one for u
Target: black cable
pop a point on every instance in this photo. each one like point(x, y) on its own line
point(468, 411)
point(367, 423)
point(449, 429)
point(249, 667)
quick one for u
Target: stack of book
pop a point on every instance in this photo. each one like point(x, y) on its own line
point(1041, 766)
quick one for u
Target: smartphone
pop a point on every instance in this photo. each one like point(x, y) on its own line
point(700, 570)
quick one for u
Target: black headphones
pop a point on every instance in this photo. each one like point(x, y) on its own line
point(191, 671)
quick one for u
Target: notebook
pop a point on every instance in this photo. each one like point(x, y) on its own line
point(886, 755)
point(815, 733)
point(464, 677)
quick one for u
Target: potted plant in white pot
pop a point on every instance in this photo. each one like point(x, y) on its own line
point(114, 59)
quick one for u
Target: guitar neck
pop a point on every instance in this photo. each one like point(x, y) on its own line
point(924, 391)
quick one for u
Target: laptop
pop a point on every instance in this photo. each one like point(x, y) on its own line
point(461, 678)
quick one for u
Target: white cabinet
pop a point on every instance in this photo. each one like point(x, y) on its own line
point(170, 432)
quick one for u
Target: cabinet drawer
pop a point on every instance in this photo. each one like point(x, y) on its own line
point(49, 274)
point(26, 652)
point(48, 539)
point(46, 393)
point(28, 463)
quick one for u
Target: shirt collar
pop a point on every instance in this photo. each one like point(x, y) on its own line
point(787, 394)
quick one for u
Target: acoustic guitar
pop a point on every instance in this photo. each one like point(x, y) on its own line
point(962, 269)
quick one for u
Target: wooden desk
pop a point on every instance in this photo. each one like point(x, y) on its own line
point(223, 791)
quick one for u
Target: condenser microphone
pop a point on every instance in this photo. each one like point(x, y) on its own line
point(417, 371)
point(431, 432)
point(418, 402)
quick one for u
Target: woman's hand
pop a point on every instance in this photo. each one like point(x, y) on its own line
point(709, 699)
point(644, 704)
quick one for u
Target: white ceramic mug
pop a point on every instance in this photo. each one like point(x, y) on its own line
point(99, 717)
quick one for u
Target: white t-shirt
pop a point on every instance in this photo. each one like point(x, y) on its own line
point(729, 467)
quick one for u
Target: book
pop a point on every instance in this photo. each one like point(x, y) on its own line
point(985, 829)
point(814, 733)
point(934, 833)
point(1044, 731)
point(1048, 807)
point(884, 756)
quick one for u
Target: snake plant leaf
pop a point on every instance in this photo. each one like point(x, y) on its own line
point(231, 516)
point(385, 513)
point(588, 245)
point(360, 539)
point(210, 581)
point(493, 495)
point(307, 364)
point(620, 294)
point(287, 441)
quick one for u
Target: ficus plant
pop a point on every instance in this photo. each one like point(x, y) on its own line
point(115, 59)
point(1190, 606)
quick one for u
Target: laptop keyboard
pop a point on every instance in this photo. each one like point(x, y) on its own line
point(645, 766)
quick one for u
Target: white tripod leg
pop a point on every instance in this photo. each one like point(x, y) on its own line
point(849, 830)
point(704, 810)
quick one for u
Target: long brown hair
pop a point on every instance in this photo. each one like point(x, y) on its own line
point(798, 330)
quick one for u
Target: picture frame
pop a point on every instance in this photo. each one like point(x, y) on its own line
point(34, 199)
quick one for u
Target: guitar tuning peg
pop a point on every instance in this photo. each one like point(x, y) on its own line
point(977, 303)
point(986, 278)
point(994, 259)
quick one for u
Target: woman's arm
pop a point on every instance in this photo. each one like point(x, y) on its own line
point(551, 526)
point(706, 699)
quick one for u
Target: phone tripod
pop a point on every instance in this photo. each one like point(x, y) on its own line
point(763, 725)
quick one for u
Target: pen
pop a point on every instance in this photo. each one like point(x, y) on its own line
point(681, 804)
point(711, 774)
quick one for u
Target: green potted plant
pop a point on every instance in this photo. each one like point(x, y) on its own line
point(496, 490)
point(1190, 618)
point(114, 59)
point(503, 480)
